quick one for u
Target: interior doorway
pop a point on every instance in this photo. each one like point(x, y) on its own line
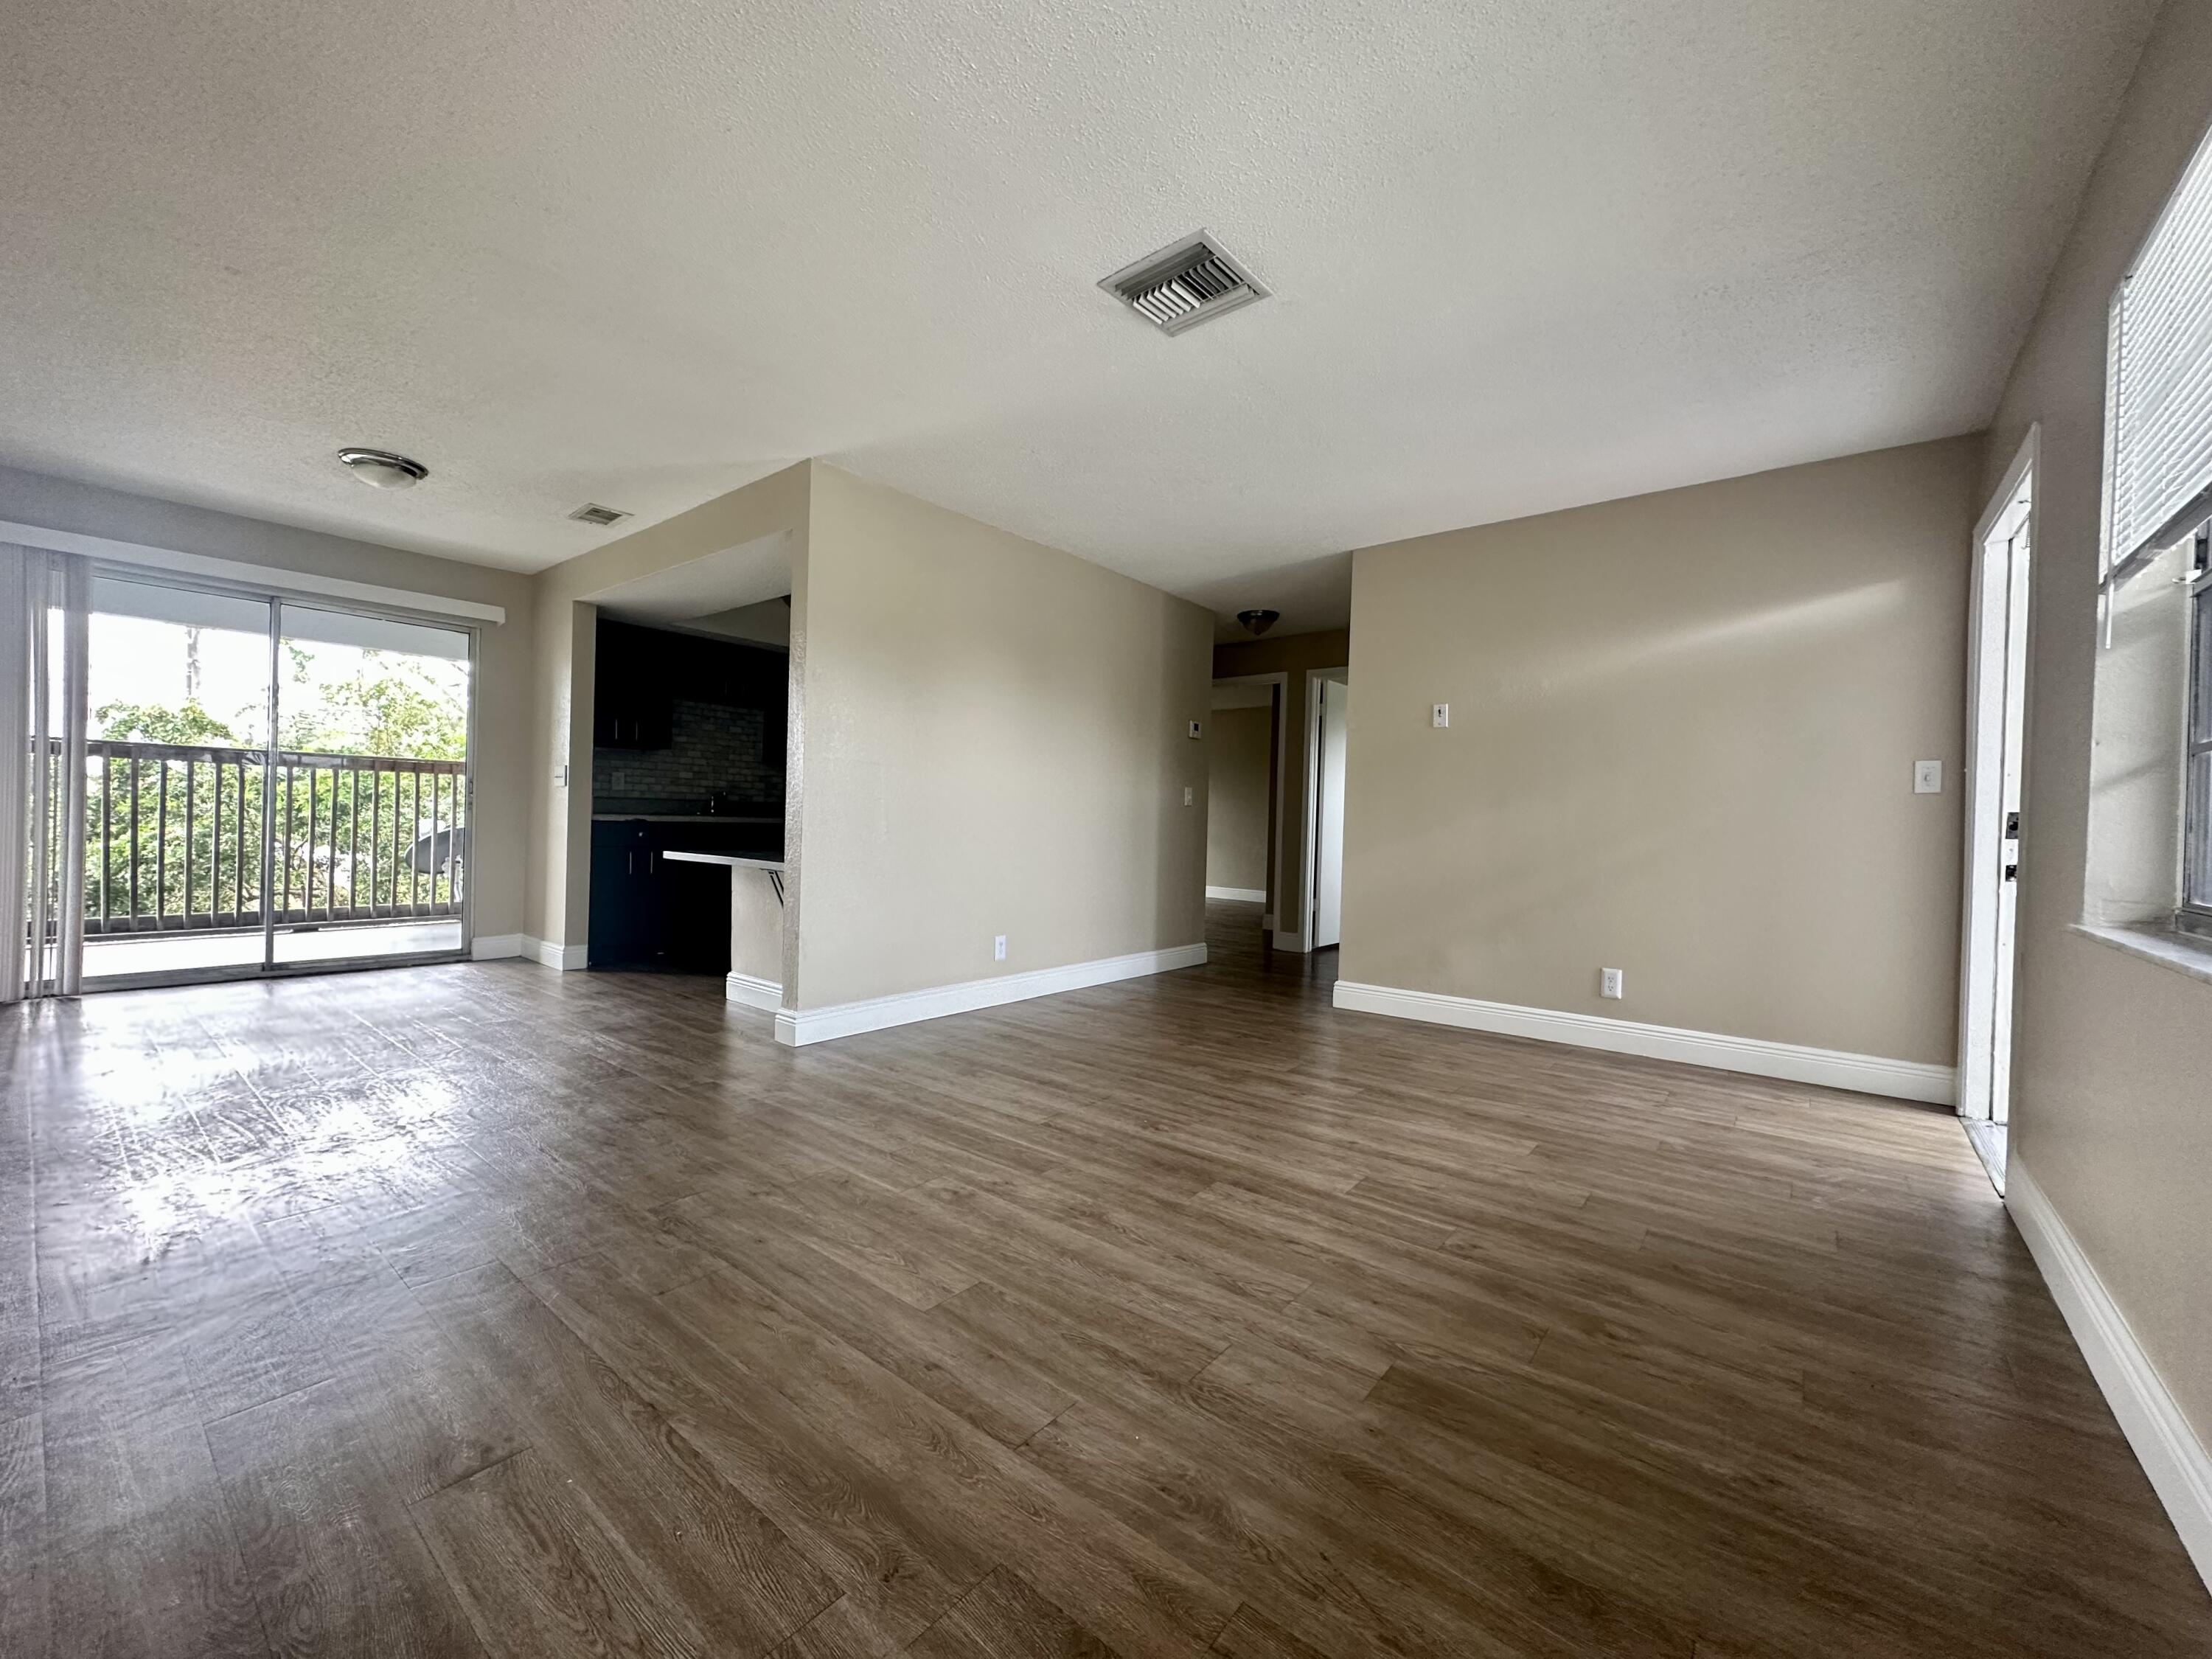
point(1996, 734)
point(1244, 768)
point(1332, 705)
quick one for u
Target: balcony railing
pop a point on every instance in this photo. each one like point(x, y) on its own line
point(173, 837)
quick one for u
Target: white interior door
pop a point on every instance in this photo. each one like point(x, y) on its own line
point(1328, 828)
point(2009, 790)
point(1996, 743)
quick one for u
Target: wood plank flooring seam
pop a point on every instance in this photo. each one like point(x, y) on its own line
point(482, 1308)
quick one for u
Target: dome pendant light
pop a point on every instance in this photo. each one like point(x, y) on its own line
point(384, 469)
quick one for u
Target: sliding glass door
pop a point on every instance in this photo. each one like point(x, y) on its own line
point(371, 825)
point(268, 785)
point(176, 772)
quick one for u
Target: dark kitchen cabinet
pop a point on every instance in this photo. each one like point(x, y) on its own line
point(633, 697)
point(625, 904)
point(633, 726)
point(651, 911)
point(643, 671)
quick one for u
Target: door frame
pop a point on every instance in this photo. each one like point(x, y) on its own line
point(277, 597)
point(1281, 679)
point(1981, 778)
point(1309, 900)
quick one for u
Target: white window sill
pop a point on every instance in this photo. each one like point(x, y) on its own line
point(2185, 953)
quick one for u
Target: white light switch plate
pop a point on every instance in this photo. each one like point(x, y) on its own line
point(1928, 777)
point(1440, 714)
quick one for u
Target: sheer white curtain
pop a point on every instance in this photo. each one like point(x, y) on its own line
point(42, 766)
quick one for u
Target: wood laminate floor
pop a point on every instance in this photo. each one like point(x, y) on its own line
point(483, 1309)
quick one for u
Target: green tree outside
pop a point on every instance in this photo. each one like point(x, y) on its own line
point(344, 830)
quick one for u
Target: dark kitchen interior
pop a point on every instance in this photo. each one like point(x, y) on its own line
point(687, 756)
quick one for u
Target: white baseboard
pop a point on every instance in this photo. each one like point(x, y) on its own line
point(1242, 894)
point(544, 951)
point(753, 991)
point(798, 1027)
point(491, 947)
point(1833, 1068)
point(2179, 1468)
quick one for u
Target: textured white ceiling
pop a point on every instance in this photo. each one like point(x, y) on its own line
point(1525, 255)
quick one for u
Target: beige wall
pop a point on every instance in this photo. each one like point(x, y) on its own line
point(1237, 797)
point(993, 740)
point(500, 854)
point(1293, 656)
point(2112, 1070)
point(1682, 743)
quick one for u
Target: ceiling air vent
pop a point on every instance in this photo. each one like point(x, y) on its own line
point(1186, 284)
point(592, 513)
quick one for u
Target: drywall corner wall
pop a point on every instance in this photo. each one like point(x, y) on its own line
point(562, 671)
point(562, 676)
point(794, 755)
point(503, 824)
point(2113, 1064)
point(1293, 656)
point(994, 741)
point(1237, 797)
point(1681, 741)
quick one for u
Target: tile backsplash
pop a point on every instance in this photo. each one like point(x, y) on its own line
point(715, 750)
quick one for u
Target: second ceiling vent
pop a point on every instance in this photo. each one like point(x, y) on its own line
point(1185, 284)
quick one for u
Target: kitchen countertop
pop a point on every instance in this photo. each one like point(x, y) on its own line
point(775, 866)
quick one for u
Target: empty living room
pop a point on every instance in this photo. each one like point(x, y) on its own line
point(1298, 831)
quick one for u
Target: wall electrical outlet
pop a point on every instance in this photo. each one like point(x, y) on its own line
point(1189, 796)
point(1928, 777)
point(1440, 714)
point(999, 947)
point(1608, 982)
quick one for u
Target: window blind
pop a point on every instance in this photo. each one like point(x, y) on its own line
point(2158, 381)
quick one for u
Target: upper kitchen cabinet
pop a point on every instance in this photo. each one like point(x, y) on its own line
point(634, 696)
point(644, 672)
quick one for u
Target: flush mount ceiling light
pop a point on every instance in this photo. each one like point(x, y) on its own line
point(1185, 283)
point(1257, 622)
point(383, 469)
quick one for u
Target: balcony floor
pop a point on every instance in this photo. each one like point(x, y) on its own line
point(134, 955)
